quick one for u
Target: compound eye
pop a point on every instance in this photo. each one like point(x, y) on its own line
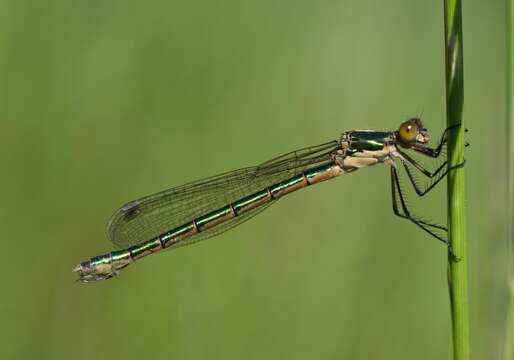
point(408, 131)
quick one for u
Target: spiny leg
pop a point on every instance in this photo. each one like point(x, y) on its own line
point(406, 214)
point(396, 192)
point(420, 166)
point(435, 176)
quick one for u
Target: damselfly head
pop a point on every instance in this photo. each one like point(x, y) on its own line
point(412, 132)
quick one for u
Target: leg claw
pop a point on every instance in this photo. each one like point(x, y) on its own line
point(452, 255)
point(456, 166)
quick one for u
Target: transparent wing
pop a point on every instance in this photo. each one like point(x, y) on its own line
point(150, 216)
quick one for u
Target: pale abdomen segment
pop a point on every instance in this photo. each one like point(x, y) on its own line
point(108, 265)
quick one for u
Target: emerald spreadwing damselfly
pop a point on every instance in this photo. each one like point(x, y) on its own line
point(205, 208)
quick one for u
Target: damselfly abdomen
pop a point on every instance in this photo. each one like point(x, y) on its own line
point(205, 208)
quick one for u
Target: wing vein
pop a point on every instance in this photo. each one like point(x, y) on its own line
point(148, 217)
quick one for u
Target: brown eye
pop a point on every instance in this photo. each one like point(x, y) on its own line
point(408, 131)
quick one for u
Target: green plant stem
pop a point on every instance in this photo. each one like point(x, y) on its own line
point(457, 270)
point(508, 352)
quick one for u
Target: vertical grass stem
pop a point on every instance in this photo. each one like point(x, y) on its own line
point(457, 270)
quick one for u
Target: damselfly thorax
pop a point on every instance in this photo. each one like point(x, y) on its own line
point(205, 208)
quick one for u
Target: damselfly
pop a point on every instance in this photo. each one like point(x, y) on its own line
point(208, 207)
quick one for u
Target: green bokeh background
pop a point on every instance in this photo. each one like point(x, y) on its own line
point(105, 101)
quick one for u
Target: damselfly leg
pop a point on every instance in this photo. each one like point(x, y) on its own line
point(435, 177)
point(405, 213)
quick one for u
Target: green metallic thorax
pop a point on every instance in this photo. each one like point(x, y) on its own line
point(361, 140)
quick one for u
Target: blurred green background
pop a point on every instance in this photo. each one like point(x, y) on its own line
point(102, 102)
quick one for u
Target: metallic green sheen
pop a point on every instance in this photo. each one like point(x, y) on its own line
point(107, 265)
point(248, 200)
point(237, 206)
point(286, 184)
point(150, 245)
point(101, 259)
point(120, 255)
point(368, 140)
point(176, 232)
point(214, 215)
